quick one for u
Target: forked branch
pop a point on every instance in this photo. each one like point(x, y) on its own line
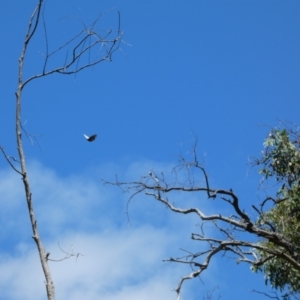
point(88, 48)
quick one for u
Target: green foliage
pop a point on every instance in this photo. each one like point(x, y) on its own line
point(281, 162)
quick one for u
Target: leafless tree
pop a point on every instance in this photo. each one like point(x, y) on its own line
point(87, 48)
point(234, 231)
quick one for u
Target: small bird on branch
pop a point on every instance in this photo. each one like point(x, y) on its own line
point(90, 138)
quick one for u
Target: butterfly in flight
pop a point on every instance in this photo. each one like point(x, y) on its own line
point(90, 138)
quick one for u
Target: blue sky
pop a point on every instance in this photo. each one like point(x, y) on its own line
point(225, 71)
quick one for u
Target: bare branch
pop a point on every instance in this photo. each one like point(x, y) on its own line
point(36, 14)
point(68, 254)
point(80, 51)
point(267, 295)
point(8, 160)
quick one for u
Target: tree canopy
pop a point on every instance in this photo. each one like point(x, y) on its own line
point(280, 162)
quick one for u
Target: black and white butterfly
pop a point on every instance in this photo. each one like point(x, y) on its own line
point(90, 138)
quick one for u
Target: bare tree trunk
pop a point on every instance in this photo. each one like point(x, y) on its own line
point(42, 253)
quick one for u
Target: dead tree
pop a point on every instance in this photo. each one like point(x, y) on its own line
point(80, 47)
point(235, 231)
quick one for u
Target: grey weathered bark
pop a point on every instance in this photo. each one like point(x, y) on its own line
point(42, 253)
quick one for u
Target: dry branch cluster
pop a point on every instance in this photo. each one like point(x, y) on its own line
point(254, 241)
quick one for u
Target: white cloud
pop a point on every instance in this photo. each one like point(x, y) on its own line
point(119, 260)
point(116, 264)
